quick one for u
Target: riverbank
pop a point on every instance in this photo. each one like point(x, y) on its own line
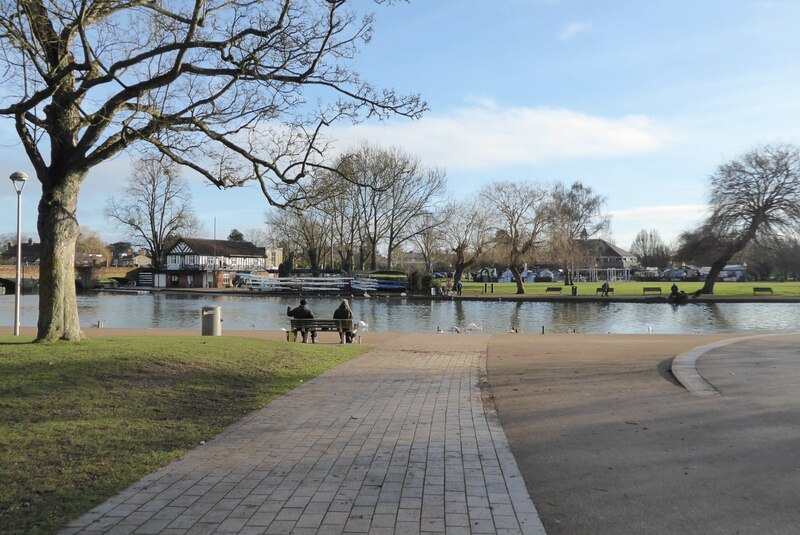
point(472, 296)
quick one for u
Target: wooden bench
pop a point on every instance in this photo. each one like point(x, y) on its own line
point(319, 324)
point(600, 290)
point(762, 290)
point(554, 289)
point(651, 290)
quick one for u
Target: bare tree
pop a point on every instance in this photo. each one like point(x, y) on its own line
point(259, 237)
point(156, 207)
point(575, 214)
point(465, 232)
point(755, 198)
point(415, 195)
point(396, 193)
point(429, 240)
point(337, 200)
point(521, 213)
point(304, 231)
point(650, 249)
point(235, 90)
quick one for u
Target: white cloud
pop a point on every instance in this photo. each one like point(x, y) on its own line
point(485, 135)
point(574, 28)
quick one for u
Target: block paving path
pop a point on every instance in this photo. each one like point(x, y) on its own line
point(397, 441)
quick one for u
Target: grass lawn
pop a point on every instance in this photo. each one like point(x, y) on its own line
point(626, 288)
point(81, 421)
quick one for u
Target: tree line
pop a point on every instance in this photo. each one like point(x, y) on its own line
point(380, 202)
point(375, 205)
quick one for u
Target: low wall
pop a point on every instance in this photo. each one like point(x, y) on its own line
point(87, 276)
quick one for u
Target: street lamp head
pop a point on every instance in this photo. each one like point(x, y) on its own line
point(18, 178)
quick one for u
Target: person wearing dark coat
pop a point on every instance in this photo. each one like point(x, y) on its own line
point(302, 312)
point(344, 313)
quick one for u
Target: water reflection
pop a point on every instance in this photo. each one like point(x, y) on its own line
point(253, 311)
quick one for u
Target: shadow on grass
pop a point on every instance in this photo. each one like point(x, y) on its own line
point(74, 430)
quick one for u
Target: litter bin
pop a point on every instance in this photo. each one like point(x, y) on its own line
point(574, 290)
point(212, 321)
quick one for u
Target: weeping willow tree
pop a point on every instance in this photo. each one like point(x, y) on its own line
point(235, 90)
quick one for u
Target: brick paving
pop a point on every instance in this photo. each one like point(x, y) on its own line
point(395, 441)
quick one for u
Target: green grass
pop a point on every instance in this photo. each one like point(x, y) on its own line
point(81, 421)
point(625, 288)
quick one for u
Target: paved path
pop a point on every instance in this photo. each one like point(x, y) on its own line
point(608, 445)
point(395, 441)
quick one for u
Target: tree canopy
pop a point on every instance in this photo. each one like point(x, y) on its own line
point(235, 90)
point(754, 198)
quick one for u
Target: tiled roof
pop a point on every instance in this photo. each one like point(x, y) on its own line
point(222, 247)
point(599, 247)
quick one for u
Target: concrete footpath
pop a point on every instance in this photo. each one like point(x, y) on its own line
point(395, 441)
point(609, 443)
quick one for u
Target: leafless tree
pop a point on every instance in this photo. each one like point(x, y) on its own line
point(304, 230)
point(235, 90)
point(755, 198)
point(575, 214)
point(465, 231)
point(336, 199)
point(520, 212)
point(259, 237)
point(397, 192)
point(650, 249)
point(156, 207)
point(429, 240)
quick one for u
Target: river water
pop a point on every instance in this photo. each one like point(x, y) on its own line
point(262, 312)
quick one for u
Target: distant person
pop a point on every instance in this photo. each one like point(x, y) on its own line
point(459, 287)
point(605, 287)
point(302, 313)
point(673, 292)
point(344, 313)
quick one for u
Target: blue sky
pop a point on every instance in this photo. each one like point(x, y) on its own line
point(639, 100)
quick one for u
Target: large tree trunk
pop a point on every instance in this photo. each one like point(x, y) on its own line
point(716, 267)
point(373, 263)
point(518, 280)
point(346, 260)
point(58, 232)
point(568, 280)
point(459, 272)
point(313, 261)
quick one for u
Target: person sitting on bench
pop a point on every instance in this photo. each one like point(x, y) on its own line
point(302, 313)
point(344, 313)
point(673, 292)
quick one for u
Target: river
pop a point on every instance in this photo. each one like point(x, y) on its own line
point(263, 312)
